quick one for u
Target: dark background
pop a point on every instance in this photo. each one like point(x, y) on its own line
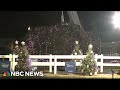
point(14, 24)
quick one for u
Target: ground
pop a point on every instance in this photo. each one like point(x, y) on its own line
point(99, 76)
point(67, 76)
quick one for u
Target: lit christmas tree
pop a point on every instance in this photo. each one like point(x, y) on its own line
point(77, 50)
point(23, 57)
point(88, 65)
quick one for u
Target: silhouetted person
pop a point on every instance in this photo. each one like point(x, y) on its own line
point(112, 73)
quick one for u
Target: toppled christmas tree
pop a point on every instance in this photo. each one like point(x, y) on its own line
point(88, 65)
point(23, 57)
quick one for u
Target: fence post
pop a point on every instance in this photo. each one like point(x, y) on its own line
point(11, 61)
point(96, 63)
point(96, 58)
point(101, 67)
point(50, 66)
point(55, 66)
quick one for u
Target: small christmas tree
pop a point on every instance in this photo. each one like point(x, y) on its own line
point(88, 65)
point(77, 50)
point(23, 57)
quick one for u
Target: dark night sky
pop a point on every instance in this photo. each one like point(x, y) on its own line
point(13, 24)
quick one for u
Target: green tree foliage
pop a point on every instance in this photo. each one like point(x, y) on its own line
point(57, 39)
point(23, 62)
point(77, 50)
point(88, 65)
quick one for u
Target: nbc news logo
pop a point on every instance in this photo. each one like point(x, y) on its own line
point(6, 74)
point(31, 73)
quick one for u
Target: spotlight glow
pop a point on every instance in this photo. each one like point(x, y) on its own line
point(116, 20)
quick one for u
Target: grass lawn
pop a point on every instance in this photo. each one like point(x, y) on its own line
point(66, 76)
point(72, 76)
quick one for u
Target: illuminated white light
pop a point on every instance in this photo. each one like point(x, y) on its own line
point(76, 42)
point(90, 46)
point(28, 28)
point(16, 42)
point(23, 43)
point(91, 51)
point(116, 20)
point(75, 53)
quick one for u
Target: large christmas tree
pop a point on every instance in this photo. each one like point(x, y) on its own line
point(88, 65)
point(57, 39)
point(23, 57)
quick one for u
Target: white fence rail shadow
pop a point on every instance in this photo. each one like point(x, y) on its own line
point(55, 63)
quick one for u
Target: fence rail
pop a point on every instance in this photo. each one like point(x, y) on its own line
point(55, 63)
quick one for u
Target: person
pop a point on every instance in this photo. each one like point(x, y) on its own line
point(112, 73)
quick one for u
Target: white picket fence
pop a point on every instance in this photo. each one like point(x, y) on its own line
point(56, 62)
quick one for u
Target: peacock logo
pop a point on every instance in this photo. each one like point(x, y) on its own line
point(6, 74)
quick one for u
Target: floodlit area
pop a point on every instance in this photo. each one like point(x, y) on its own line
point(60, 44)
